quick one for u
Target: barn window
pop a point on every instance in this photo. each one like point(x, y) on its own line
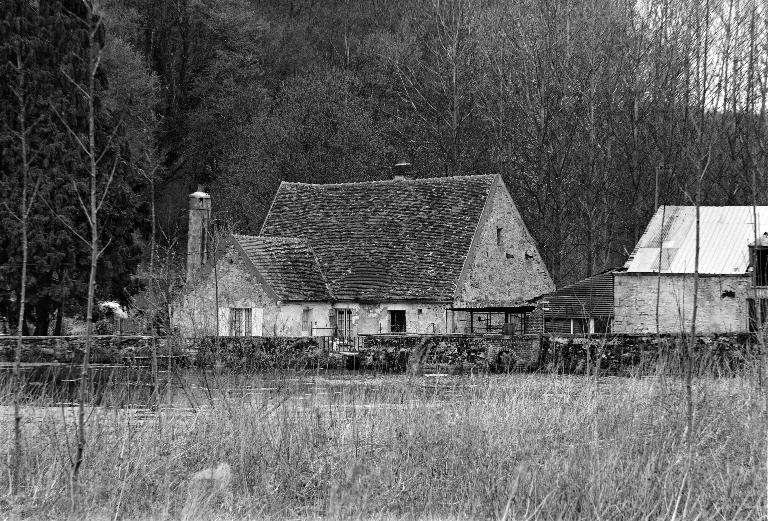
point(240, 322)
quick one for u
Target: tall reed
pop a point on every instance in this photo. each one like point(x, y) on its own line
point(488, 447)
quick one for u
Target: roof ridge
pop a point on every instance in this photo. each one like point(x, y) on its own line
point(382, 181)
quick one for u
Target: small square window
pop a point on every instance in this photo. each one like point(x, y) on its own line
point(419, 311)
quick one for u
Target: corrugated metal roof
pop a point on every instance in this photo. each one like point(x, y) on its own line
point(725, 235)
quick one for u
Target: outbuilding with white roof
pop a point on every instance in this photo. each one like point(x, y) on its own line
point(655, 289)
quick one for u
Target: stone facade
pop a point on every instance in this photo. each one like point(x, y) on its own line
point(722, 303)
point(505, 265)
point(374, 318)
point(240, 287)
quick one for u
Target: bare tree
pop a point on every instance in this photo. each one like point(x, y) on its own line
point(30, 183)
point(99, 180)
point(153, 165)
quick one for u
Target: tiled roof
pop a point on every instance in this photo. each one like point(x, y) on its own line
point(385, 240)
point(288, 265)
point(725, 235)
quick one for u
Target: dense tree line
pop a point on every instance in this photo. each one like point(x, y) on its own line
point(593, 111)
point(44, 63)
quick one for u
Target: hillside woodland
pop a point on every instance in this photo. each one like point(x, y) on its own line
point(593, 111)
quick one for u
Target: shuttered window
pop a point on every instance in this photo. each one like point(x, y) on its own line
point(240, 322)
point(305, 313)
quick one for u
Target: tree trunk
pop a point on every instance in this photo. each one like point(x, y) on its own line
point(42, 317)
point(93, 208)
point(16, 384)
point(59, 319)
point(21, 328)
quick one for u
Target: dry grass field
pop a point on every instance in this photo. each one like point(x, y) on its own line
point(340, 447)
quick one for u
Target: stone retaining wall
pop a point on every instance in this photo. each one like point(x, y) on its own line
point(482, 352)
point(106, 349)
point(260, 353)
point(724, 354)
point(720, 355)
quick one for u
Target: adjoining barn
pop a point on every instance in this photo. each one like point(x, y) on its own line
point(397, 256)
point(733, 272)
point(585, 306)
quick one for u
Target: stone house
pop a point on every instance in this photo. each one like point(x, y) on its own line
point(733, 272)
point(396, 256)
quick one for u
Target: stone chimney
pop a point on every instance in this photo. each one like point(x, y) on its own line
point(197, 239)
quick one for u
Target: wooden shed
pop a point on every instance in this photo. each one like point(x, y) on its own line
point(585, 306)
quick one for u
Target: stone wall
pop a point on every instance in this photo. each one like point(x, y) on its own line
point(482, 352)
point(714, 355)
point(506, 265)
point(721, 355)
point(722, 304)
point(109, 349)
point(261, 353)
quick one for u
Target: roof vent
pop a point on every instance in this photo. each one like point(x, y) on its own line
point(401, 171)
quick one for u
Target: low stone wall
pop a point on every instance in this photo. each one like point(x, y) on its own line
point(105, 349)
point(457, 352)
point(723, 355)
point(261, 353)
point(623, 354)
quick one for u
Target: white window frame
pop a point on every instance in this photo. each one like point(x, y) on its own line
point(240, 322)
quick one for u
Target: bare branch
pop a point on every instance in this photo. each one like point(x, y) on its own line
point(82, 203)
point(109, 142)
point(71, 132)
point(101, 251)
point(33, 196)
point(109, 182)
point(76, 85)
point(65, 222)
point(12, 213)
